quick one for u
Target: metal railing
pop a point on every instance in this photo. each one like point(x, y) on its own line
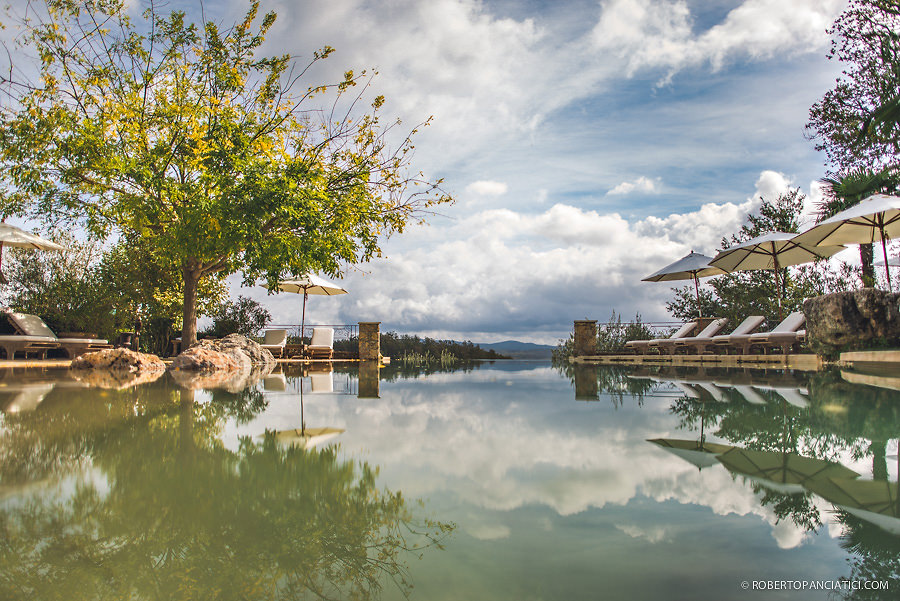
point(658, 328)
point(341, 331)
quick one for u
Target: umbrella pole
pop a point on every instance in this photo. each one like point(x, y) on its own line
point(303, 318)
point(887, 269)
point(697, 290)
point(302, 421)
point(778, 283)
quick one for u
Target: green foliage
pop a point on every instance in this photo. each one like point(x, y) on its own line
point(243, 316)
point(855, 123)
point(848, 190)
point(149, 285)
point(181, 138)
point(743, 293)
point(559, 356)
point(67, 289)
point(613, 335)
point(611, 338)
point(445, 359)
point(262, 521)
point(399, 345)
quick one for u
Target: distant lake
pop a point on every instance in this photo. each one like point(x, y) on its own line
point(505, 480)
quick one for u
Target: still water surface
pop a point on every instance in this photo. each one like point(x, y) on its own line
point(506, 480)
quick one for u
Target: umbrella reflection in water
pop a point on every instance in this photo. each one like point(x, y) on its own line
point(310, 437)
point(784, 472)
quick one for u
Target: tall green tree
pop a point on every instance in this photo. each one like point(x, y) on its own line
point(844, 191)
point(852, 122)
point(218, 159)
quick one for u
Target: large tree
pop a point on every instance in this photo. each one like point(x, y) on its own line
point(848, 189)
point(181, 136)
point(852, 123)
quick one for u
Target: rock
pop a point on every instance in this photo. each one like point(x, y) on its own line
point(117, 368)
point(232, 363)
point(231, 353)
point(204, 359)
point(858, 319)
point(119, 359)
point(232, 381)
point(115, 379)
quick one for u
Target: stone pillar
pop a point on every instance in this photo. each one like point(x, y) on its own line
point(369, 341)
point(586, 384)
point(369, 378)
point(585, 337)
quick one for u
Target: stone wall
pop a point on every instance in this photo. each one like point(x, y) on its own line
point(585, 337)
point(858, 319)
point(370, 341)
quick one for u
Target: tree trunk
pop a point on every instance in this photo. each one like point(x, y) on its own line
point(867, 259)
point(191, 273)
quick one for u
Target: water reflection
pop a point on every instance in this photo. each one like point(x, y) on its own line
point(555, 498)
point(786, 434)
point(131, 494)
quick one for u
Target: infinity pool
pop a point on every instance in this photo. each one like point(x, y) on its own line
point(505, 480)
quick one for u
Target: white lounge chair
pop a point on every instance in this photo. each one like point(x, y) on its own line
point(33, 326)
point(274, 341)
point(785, 334)
point(642, 346)
point(701, 344)
point(321, 346)
point(711, 329)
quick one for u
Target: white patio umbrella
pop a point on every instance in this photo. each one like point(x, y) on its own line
point(689, 267)
point(771, 251)
point(874, 218)
point(11, 235)
point(310, 284)
point(697, 452)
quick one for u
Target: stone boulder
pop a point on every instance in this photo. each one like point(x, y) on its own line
point(120, 359)
point(231, 353)
point(858, 319)
point(117, 368)
point(232, 381)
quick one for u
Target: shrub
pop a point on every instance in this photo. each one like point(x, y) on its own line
point(243, 316)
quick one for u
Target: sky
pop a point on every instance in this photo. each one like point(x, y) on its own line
point(587, 144)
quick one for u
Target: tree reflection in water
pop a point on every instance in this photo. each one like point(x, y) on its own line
point(841, 419)
point(153, 506)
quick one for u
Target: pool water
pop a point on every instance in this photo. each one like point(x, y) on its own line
point(505, 480)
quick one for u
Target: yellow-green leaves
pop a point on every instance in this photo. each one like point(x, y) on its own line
point(209, 155)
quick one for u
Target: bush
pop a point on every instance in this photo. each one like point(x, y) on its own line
point(613, 335)
point(243, 316)
point(64, 288)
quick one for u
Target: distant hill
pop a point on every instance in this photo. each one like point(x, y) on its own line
point(519, 350)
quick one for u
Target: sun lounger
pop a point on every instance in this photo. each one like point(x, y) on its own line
point(33, 326)
point(274, 341)
point(701, 344)
point(27, 345)
point(322, 344)
point(671, 346)
point(785, 334)
point(642, 346)
point(714, 391)
point(749, 394)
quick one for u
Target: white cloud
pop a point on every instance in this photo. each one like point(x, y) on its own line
point(772, 184)
point(487, 188)
point(641, 184)
point(499, 273)
point(660, 34)
point(652, 535)
point(483, 454)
